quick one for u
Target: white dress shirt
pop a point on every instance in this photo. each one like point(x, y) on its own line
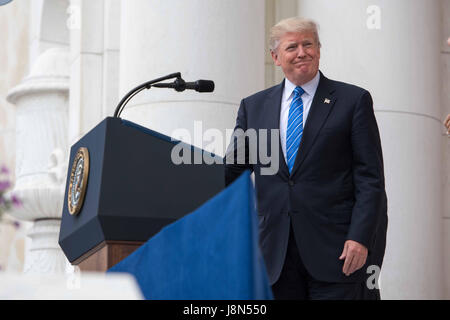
point(288, 94)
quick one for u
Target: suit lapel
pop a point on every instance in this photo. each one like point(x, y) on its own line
point(272, 108)
point(321, 106)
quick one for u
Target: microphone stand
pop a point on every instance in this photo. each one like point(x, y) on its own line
point(146, 85)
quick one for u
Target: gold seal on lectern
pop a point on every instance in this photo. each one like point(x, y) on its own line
point(78, 181)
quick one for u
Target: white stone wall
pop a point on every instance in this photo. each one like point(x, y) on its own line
point(218, 40)
point(445, 98)
point(94, 75)
point(399, 63)
point(276, 10)
point(14, 23)
point(40, 102)
point(48, 26)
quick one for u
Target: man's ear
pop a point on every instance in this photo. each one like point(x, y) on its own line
point(275, 58)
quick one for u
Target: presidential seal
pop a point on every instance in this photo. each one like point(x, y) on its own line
point(78, 181)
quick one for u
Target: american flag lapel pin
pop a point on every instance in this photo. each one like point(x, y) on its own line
point(326, 100)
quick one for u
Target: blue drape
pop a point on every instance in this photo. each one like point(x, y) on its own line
point(211, 253)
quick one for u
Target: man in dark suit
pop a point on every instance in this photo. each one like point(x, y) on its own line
point(323, 214)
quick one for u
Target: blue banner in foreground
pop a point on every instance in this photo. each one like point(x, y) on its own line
point(209, 254)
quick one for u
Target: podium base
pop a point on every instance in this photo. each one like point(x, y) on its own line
point(105, 255)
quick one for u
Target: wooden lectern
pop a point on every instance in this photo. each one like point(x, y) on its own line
point(123, 187)
point(105, 255)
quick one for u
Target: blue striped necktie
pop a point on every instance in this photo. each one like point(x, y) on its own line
point(294, 130)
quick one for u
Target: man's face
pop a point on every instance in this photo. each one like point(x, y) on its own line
point(298, 54)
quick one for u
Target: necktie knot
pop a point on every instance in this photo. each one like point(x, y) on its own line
point(298, 91)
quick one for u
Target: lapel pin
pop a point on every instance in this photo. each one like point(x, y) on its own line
point(326, 100)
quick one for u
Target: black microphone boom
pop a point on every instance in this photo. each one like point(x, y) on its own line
point(179, 85)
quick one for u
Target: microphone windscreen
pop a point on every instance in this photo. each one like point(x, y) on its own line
point(205, 86)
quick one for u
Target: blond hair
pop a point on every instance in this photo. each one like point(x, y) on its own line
point(294, 24)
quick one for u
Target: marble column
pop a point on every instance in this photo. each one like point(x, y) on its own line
point(445, 98)
point(203, 39)
point(41, 101)
point(391, 48)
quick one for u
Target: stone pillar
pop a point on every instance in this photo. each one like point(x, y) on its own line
point(14, 20)
point(391, 48)
point(445, 60)
point(41, 156)
point(203, 39)
point(94, 64)
point(86, 67)
point(276, 10)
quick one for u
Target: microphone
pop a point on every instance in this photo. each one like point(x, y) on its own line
point(180, 85)
point(201, 85)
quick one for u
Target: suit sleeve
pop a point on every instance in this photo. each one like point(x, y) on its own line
point(237, 154)
point(368, 173)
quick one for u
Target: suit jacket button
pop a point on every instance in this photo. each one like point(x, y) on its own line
point(291, 183)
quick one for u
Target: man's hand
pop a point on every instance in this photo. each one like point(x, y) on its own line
point(355, 255)
point(447, 122)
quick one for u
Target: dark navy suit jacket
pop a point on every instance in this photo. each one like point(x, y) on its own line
point(336, 189)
